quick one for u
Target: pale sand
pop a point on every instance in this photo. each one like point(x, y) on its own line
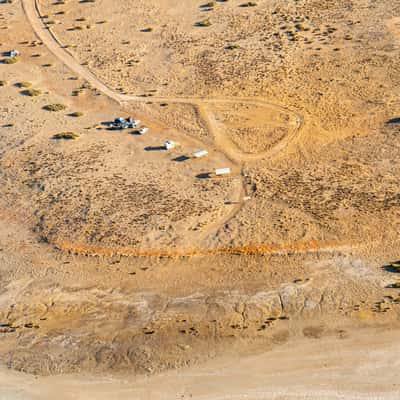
point(364, 366)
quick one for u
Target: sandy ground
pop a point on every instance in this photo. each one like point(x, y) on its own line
point(328, 368)
point(138, 271)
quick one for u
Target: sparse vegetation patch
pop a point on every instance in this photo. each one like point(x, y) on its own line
point(248, 4)
point(232, 47)
point(9, 60)
point(31, 92)
point(66, 135)
point(203, 23)
point(55, 107)
point(23, 84)
point(76, 114)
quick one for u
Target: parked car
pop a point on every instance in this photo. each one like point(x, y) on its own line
point(122, 123)
point(13, 53)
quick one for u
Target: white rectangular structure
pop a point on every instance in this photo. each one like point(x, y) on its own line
point(199, 153)
point(222, 171)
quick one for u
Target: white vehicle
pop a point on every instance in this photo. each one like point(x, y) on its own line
point(170, 144)
point(13, 53)
point(143, 130)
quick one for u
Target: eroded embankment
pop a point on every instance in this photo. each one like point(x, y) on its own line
point(51, 329)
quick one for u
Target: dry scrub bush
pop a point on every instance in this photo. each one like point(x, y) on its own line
point(203, 23)
point(23, 84)
point(11, 60)
point(31, 92)
point(66, 135)
point(55, 107)
point(76, 114)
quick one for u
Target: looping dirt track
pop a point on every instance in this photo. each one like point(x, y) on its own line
point(54, 44)
point(224, 145)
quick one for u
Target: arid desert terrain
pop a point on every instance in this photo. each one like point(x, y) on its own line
point(133, 271)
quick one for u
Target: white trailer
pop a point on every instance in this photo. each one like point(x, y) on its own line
point(199, 153)
point(222, 171)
